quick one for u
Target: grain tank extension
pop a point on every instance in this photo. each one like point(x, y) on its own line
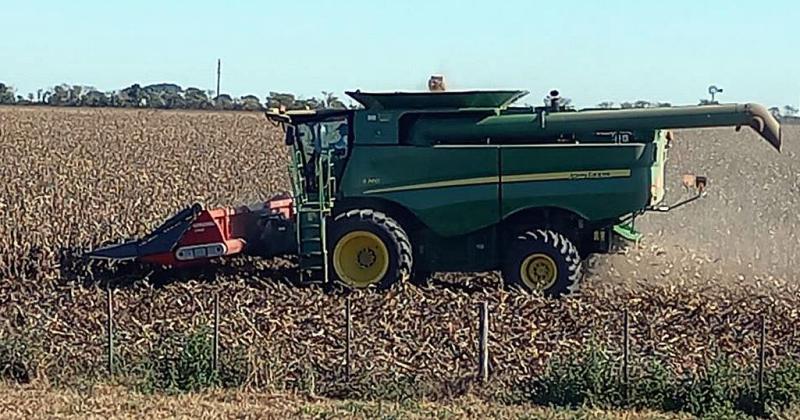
point(415, 183)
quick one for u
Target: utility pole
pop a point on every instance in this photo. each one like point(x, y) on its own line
point(219, 72)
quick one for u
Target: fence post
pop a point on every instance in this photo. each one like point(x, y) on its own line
point(215, 360)
point(483, 342)
point(348, 338)
point(761, 362)
point(626, 343)
point(110, 327)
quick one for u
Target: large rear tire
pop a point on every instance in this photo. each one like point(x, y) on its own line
point(368, 248)
point(543, 261)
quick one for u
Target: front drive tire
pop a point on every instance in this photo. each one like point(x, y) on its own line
point(543, 261)
point(368, 248)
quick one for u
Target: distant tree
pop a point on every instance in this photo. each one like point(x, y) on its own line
point(196, 99)
point(23, 100)
point(132, 96)
point(76, 92)
point(163, 88)
point(790, 111)
point(605, 105)
point(174, 100)
point(172, 96)
point(775, 111)
point(250, 103)
point(113, 99)
point(224, 102)
point(707, 102)
point(6, 94)
point(312, 103)
point(329, 100)
point(157, 100)
point(638, 104)
point(94, 98)
point(276, 100)
point(60, 95)
point(163, 95)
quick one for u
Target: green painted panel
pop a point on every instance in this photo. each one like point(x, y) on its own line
point(437, 100)
point(595, 181)
point(452, 191)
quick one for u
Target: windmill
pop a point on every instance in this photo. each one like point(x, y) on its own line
point(713, 91)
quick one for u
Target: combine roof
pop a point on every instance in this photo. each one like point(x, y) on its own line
point(437, 100)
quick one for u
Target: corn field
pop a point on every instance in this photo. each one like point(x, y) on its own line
point(76, 178)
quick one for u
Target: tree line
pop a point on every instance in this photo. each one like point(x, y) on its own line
point(784, 112)
point(162, 96)
point(172, 96)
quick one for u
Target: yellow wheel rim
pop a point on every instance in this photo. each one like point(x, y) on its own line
point(360, 259)
point(538, 272)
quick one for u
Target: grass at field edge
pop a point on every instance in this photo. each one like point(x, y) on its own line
point(103, 401)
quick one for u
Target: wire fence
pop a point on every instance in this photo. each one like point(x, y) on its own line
point(438, 341)
point(476, 347)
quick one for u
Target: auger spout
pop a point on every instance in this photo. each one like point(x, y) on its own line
point(762, 121)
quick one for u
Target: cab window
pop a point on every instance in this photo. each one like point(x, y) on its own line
point(324, 135)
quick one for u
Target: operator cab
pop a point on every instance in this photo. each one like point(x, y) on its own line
point(316, 136)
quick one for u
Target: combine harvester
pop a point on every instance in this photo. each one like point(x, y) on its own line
point(415, 183)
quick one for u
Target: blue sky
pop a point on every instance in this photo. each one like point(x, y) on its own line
point(590, 50)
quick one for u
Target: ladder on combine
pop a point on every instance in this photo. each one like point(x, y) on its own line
point(312, 209)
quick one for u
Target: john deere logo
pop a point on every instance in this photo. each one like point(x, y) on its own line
point(590, 175)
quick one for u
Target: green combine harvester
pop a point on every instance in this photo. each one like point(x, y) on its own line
point(416, 183)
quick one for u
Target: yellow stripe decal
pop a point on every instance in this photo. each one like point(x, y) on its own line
point(572, 175)
point(542, 176)
point(439, 184)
